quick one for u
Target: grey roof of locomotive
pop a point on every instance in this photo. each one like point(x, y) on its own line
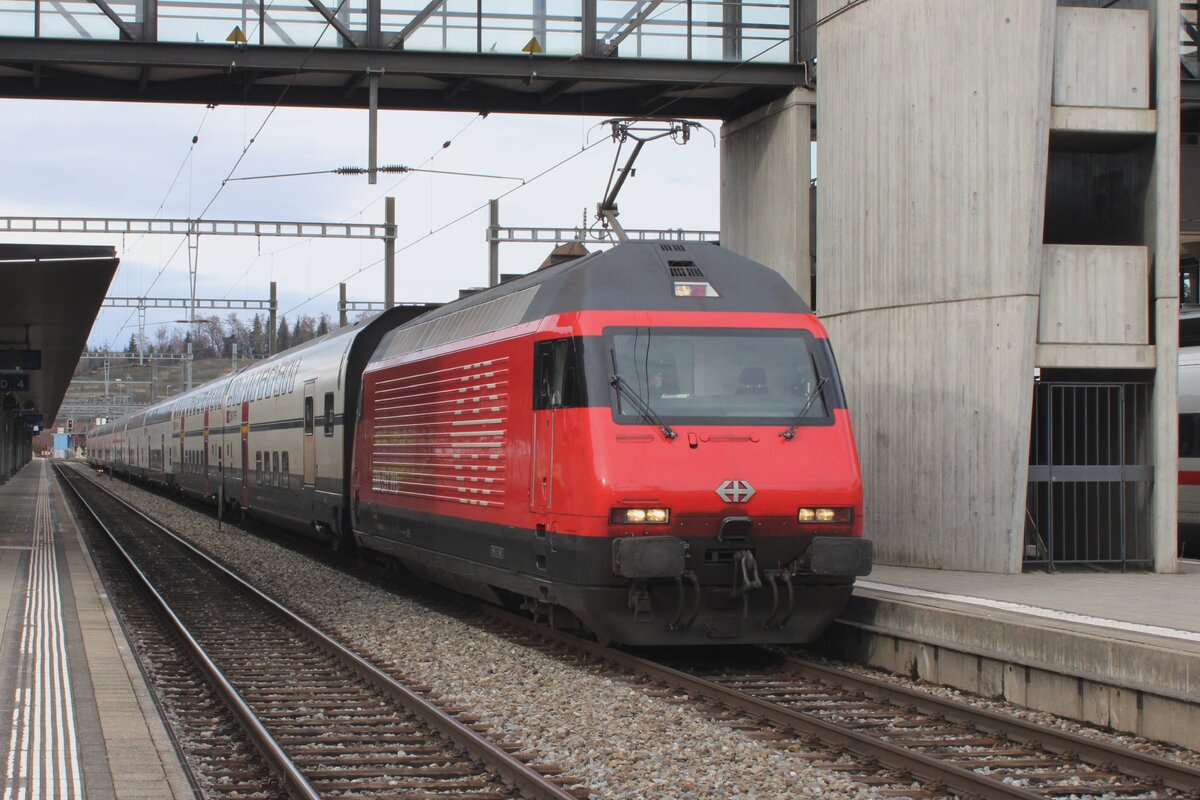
point(633, 276)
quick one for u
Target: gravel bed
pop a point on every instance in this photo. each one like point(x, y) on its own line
point(620, 738)
point(1042, 718)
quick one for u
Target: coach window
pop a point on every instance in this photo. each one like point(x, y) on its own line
point(275, 468)
point(283, 468)
point(258, 467)
point(557, 375)
point(308, 416)
point(1189, 435)
point(329, 413)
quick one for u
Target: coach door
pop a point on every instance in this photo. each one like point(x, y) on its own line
point(245, 433)
point(204, 483)
point(310, 441)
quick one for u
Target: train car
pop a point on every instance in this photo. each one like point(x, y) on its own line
point(270, 440)
point(652, 441)
point(1189, 432)
point(280, 437)
point(158, 443)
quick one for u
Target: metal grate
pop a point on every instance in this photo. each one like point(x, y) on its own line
point(684, 269)
point(1090, 476)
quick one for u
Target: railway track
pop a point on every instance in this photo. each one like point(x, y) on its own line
point(898, 741)
point(322, 720)
point(949, 747)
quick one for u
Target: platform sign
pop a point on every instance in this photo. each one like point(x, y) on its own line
point(31, 417)
point(21, 359)
point(14, 382)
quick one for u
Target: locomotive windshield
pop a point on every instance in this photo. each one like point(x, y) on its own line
point(719, 375)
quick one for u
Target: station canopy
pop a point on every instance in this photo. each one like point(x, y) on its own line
point(49, 298)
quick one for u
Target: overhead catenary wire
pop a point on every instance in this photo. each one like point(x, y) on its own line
point(162, 204)
point(309, 240)
point(229, 178)
point(787, 39)
point(390, 169)
point(282, 94)
point(446, 225)
point(656, 112)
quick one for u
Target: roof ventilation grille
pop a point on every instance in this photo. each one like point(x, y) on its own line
point(676, 248)
point(684, 269)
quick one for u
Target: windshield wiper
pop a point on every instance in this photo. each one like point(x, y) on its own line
point(816, 390)
point(622, 386)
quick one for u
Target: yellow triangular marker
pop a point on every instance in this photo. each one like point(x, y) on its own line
point(534, 46)
point(237, 37)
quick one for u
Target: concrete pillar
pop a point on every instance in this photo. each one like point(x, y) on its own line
point(1162, 234)
point(932, 182)
point(967, 238)
point(765, 174)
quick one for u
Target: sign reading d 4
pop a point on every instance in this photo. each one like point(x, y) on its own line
point(14, 381)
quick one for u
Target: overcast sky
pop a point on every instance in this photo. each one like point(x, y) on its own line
point(119, 160)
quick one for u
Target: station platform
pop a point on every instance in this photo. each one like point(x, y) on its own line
point(76, 716)
point(1117, 650)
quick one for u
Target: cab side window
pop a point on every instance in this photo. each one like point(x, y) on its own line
point(558, 375)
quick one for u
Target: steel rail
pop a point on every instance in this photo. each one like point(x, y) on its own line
point(1175, 774)
point(922, 766)
point(524, 777)
point(285, 769)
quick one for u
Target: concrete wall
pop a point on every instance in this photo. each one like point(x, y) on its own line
point(930, 208)
point(1118, 80)
point(970, 230)
point(1094, 295)
point(765, 166)
point(940, 200)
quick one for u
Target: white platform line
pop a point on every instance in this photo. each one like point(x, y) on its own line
point(43, 756)
point(1035, 611)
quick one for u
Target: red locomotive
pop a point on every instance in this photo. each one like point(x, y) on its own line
point(651, 440)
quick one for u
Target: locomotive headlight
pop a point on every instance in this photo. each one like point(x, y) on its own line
point(836, 516)
point(640, 516)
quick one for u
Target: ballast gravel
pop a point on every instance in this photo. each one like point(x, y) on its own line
point(608, 733)
point(1043, 718)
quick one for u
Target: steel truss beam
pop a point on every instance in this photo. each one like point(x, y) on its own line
point(90, 410)
point(203, 227)
point(504, 233)
point(101, 354)
point(186, 302)
point(361, 305)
